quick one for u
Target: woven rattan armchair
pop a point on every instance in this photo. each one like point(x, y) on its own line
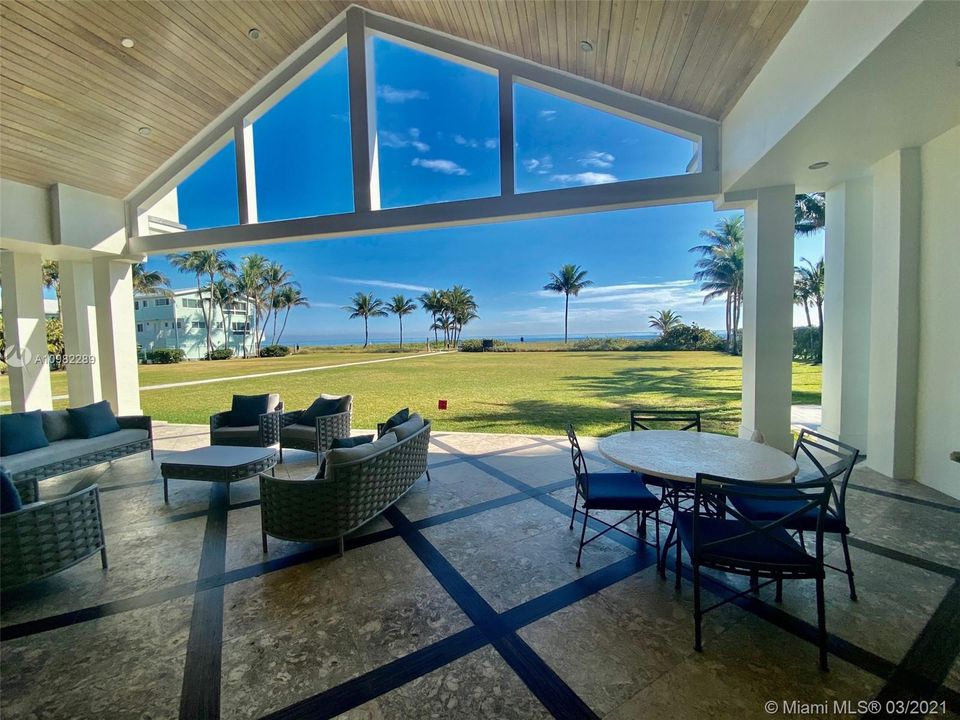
point(43, 538)
point(265, 434)
point(326, 429)
point(350, 495)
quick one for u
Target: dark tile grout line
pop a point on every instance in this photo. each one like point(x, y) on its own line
point(200, 691)
point(913, 560)
point(904, 498)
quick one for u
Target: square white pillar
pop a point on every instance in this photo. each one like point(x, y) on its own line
point(25, 331)
point(895, 314)
point(80, 332)
point(847, 300)
point(116, 335)
point(768, 315)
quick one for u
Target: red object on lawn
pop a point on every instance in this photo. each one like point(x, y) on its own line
point(442, 405)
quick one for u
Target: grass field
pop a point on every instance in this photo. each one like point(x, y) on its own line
point(528, 392)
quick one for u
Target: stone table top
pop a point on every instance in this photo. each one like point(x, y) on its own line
point(219, 456)
point(681, 454)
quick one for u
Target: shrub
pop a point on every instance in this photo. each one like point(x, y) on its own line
point(477, 346)
point(807, 344)
point(219, 354)
point(166, 356)
point(594, 344)
point(688, 337)
point(275, 351)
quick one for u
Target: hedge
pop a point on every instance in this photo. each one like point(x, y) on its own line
point(166, 356)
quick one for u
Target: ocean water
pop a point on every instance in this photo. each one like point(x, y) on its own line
point(293, 339)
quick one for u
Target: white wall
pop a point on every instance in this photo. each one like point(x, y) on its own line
point(938, 397)
point(24, 214)
point(87, 220)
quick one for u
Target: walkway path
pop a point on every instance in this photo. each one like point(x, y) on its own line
point(270, 373)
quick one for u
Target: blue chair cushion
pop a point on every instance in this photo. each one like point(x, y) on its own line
point(619, 491)
point(93, 420)
point(761, 509)
point(9, 497)
point(762, 549)
point(20, 432)
point(247, 409)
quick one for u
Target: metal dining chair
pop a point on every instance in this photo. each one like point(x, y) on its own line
point(641, 419)
point(844, 459)
point(756, 548)
point(611, 491)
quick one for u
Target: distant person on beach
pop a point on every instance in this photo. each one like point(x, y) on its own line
point(521, 338)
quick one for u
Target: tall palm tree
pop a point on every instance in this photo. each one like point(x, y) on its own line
point(149, 282)
point(51, 279)
point(400, 306)
point(664, 320)
point(569, 281)
point(720, 270)
point(223, 293)
point(809, 213)
point(811, 277)
point(432, 303)
point(460, 306)
point(288, 298)
point(196, 262)
point(274, 277)
point(366, 306)
point(250, 288)
point(801, 294)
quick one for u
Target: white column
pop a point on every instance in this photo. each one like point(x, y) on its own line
point(25, 331)
point(895, 314)
point(846, 322)
point(80, 331)
point(768, 316)
point(116, 334)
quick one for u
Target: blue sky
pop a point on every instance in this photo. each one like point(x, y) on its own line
point(438, 141)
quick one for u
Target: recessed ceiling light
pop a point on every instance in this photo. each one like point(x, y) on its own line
point(586, 46)
point(253, 33)
point(819, 165)
point(145, 131)
point(127, 42)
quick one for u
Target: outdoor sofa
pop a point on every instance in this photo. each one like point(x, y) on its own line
point(354, 486)
point(65, 451)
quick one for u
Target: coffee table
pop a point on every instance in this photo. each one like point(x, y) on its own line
point(218, 464)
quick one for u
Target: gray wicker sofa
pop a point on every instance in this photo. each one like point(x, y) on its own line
point(66, 455)
point(351, 492)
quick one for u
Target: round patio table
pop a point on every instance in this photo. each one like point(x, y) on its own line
point(678, 455)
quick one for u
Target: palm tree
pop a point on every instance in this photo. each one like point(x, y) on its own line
point(366, 306)
point(196, 262)
point(432, 303)
point(460, 306)
point(274, 277)
point(811, 277)
point(288, 298)
point(51, 279)
point(569, 281)
point(149, 282)
point(401, 306)
point(809, 213)
point(720, 270)
point(223, 293)
point(801, 294)
point(664, 320)
point(249, 286)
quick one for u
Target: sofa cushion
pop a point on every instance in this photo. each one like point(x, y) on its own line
point(339, 456)
point(93, 420)
point(21, 432)
point(69, 449)
point(401, 416)
point(57, 425)
point(236, 434)
point(247, 409)
point(348, 442)
point(320, 406)
point(9, 497)
point(408, 428)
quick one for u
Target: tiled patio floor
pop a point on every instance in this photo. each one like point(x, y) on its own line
point(462, 601)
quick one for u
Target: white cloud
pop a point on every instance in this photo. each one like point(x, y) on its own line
point(596, 159)
point(547, 115)
point(380, 283)
point(490, 143)
point(540, 166)
point(403, 140)
point(468, 142)
point(324, 305)
point(394, 95)
point(585, 178)
point(447, 167)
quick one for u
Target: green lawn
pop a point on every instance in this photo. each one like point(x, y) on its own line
point(524, 392)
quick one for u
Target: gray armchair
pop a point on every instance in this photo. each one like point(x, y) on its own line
point(43, 538)
point(265, 433)
point(317, 436)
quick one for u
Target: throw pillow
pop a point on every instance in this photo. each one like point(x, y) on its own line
point(405, 430)
point(56, 425)
point(93, 420)
point(247, 409)
point(351, 441)
point(9, 497)
point(20, 432)
point(343, 401)
point(401, 416)
point(321, 406)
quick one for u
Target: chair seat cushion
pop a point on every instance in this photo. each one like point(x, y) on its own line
point(776, 548)
point(619, 491)
point(21, 432)
point(247, 433)
point(760, 509)
point(93, 420)
point(298, 431)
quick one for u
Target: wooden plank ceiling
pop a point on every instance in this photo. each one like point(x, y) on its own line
point(72, 98)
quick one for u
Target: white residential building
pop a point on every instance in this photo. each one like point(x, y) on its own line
point(177, 320)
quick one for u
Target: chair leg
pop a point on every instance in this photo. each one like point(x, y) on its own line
point(573, 515)
point(428, 475)
point(754, 583)
point(822, 624)
point(583, 534)
point(656, 522)
point(779, 596)
point(846, 555)
point(263, 539)
point(103, 557)
point(166, 496)
point(697, 615)
point(340, 545)
point(679, 566)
